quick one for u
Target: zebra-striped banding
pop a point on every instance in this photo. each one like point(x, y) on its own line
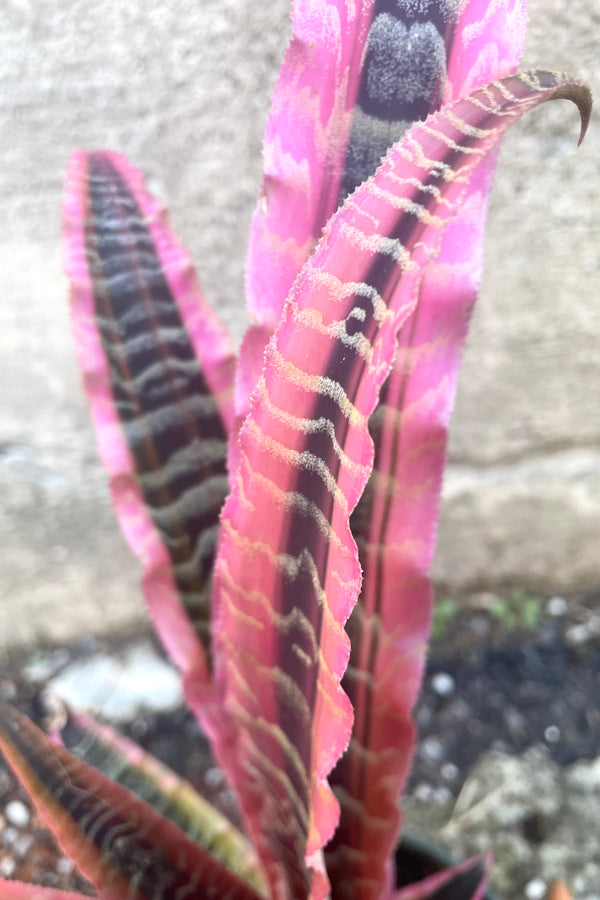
point(170, 419)
point(401, 81)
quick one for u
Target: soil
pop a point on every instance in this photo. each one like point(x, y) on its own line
point(496, 678)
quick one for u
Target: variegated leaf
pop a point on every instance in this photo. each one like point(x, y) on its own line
point(395, 522)
point(17, 890)
point(173, 797)
point(354, 78)
point(158, 371)
point(287, 571)
point(304, 151)
point(122, 845)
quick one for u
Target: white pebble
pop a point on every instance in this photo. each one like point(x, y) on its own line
point(7, 867)
point(17, 814)
point(594, 624)
point(577, 634)
point(556, 606)
point(536, 889)
point(214, 778)
point(552, 734)
point(449, 771)
point(9, 836)
point(443, 684)
point(432, 750)
point(442, 796)
point(424, 792)
point(64, 866)
point(423, 716)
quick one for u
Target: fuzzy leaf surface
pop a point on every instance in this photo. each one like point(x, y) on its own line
point(354, 78)
point(119, 843)
point(18, 890)
point(304, 151)
point(158, 370)
point(287, 570)
point(395, 522)
point(126, 763)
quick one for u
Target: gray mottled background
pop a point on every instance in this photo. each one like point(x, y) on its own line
point(183, 88)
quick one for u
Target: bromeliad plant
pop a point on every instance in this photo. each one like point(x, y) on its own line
point(254, 508)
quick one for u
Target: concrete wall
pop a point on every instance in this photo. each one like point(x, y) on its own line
point(183, 88)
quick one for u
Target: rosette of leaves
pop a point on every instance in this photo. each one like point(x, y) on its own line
point(284, 507)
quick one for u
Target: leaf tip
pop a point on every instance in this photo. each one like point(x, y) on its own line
point(579, 94)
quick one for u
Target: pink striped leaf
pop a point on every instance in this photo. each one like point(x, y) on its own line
point(304, 149)
point(121, 844)
point(395, 522)
point(17, 890)
point(126, 763)
point(287, 572)
point(158, 370)
point(354, 78)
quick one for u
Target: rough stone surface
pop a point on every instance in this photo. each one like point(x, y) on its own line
point(533, 522)
point(183, 88)
point(540, 821)
point(118, 686)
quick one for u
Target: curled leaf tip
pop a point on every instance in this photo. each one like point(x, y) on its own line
point(571, 89)
point(581, 96)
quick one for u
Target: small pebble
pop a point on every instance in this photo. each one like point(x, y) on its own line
point(443, 684)
point(7, 867)
point(432, 750)
point(17, 814)
point(449, 772)
point(460, 710)
point(22, 845)
point(556, 606)
point(577, 634)
point(552, 734)
point(442, 796)
point(594, 624)
point(423, 716)
point(424, 792)
point(536, 889)
point(64, 866)
point(214, 778)
point(9, 836)
point(515, 721)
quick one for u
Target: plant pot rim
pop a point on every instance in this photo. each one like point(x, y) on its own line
point(419, 852)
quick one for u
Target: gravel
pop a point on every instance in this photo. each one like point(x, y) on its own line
point(511, 692)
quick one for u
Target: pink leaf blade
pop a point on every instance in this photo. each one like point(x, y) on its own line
point(118, 842)
point(468, 879)
point(304, 150)
point(353, 80)
point(489, 43)
point(126, 763)
point(19, 890)
point(284, 587)
point(305, 144)
point(158, 370)
point(395, 527)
